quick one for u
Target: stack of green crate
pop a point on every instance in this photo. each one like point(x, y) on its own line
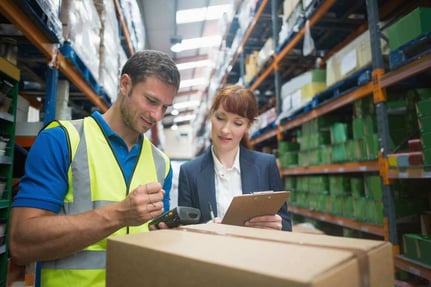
point(364, 128)
point(290, 185)
point(423, 109)
point(361, 208)
point(302, 191)
point(374, 195)
point(339, 189)
point(288, 153)
point(338, 138)
point(315, 138)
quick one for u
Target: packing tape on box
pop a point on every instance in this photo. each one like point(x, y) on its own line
point(360, 255)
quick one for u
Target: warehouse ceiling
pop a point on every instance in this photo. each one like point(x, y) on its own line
point(162, 32)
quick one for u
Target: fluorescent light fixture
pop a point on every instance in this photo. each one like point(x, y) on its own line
point(186, 104)
point(193, 82)
point(194, 64)
point(196, 43)
point(175, 112)
point(184, 118)
point(201, 14)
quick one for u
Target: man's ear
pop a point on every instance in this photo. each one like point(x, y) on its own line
point(125, 84)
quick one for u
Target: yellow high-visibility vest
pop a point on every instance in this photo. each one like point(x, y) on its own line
point(95, 180)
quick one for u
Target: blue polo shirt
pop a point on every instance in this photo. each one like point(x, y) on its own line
point(45, 182)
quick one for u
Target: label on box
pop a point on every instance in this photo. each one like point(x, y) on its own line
point(348, 62)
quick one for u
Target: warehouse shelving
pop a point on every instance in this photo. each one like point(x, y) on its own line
point(55, 64)
point(375, 88)
point(9, 75)
point(350, 167)
point(340, 221)
point(39, 39)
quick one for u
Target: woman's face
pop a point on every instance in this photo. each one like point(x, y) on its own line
point(227, 129)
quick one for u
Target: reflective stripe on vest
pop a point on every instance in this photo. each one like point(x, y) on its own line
point(98, 184)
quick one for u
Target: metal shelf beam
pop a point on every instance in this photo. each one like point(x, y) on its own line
point(340, 221)
point(350, 167)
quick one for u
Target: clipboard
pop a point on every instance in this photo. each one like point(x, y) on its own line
point(246, 206)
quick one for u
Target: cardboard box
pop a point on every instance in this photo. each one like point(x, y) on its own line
point(351, 58)
point(225, 255)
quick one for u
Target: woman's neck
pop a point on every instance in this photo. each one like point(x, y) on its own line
point(226, 158)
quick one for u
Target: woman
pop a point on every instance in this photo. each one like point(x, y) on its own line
point(229, 167)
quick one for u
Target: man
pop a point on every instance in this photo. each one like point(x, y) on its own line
point(89, 179)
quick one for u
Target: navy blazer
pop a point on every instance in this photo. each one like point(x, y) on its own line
point(259, 172)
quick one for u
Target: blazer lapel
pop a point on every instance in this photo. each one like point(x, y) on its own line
point(249, 172)
point(206, 183)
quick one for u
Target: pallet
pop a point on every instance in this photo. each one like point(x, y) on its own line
point(69, 53)
point(346, 85)
point(48, 23)
point(410, 51)
point(299, 112)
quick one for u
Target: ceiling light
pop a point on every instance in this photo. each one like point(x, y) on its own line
point(175, 112)
point(196, 43)
point(186, 104)
point(184, 118)
point(202, 14)
point(193, 82)
point(194, 64)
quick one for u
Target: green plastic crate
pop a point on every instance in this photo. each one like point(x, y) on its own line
point(339, 153)
point(427, 157)
point(373, 187)
point(360, 208)
point(357, 187)
point(284, 146)
point(424, 124)
point(372, 146)
point(339, 133)
point(289, 159)
point(417, 247)
point(358, 128)
point(423, 108)
point(409, 27)
point(426, 140)
point(326, 154)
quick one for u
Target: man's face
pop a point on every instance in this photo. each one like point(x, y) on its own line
point(145, 103)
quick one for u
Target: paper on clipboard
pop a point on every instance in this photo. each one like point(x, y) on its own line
point(246, 206)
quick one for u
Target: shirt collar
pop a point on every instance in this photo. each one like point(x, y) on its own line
point(218, 166)
point(106, 128)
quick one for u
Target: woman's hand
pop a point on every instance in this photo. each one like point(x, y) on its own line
point(265, 222)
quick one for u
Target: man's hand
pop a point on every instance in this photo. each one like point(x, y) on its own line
point(143, 204)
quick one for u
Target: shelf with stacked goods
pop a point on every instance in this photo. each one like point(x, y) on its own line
point(382, 86)
point(47, 45)
point(340, 221)
point(9, 80)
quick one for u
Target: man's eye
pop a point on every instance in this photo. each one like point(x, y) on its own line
point(150, 100)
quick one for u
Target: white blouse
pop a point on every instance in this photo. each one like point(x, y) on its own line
point(227, 183)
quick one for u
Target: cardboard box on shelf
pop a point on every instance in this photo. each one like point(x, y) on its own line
point(225, 255)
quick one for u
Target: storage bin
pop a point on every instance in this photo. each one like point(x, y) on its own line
point(418, 247)
point(409, 27)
